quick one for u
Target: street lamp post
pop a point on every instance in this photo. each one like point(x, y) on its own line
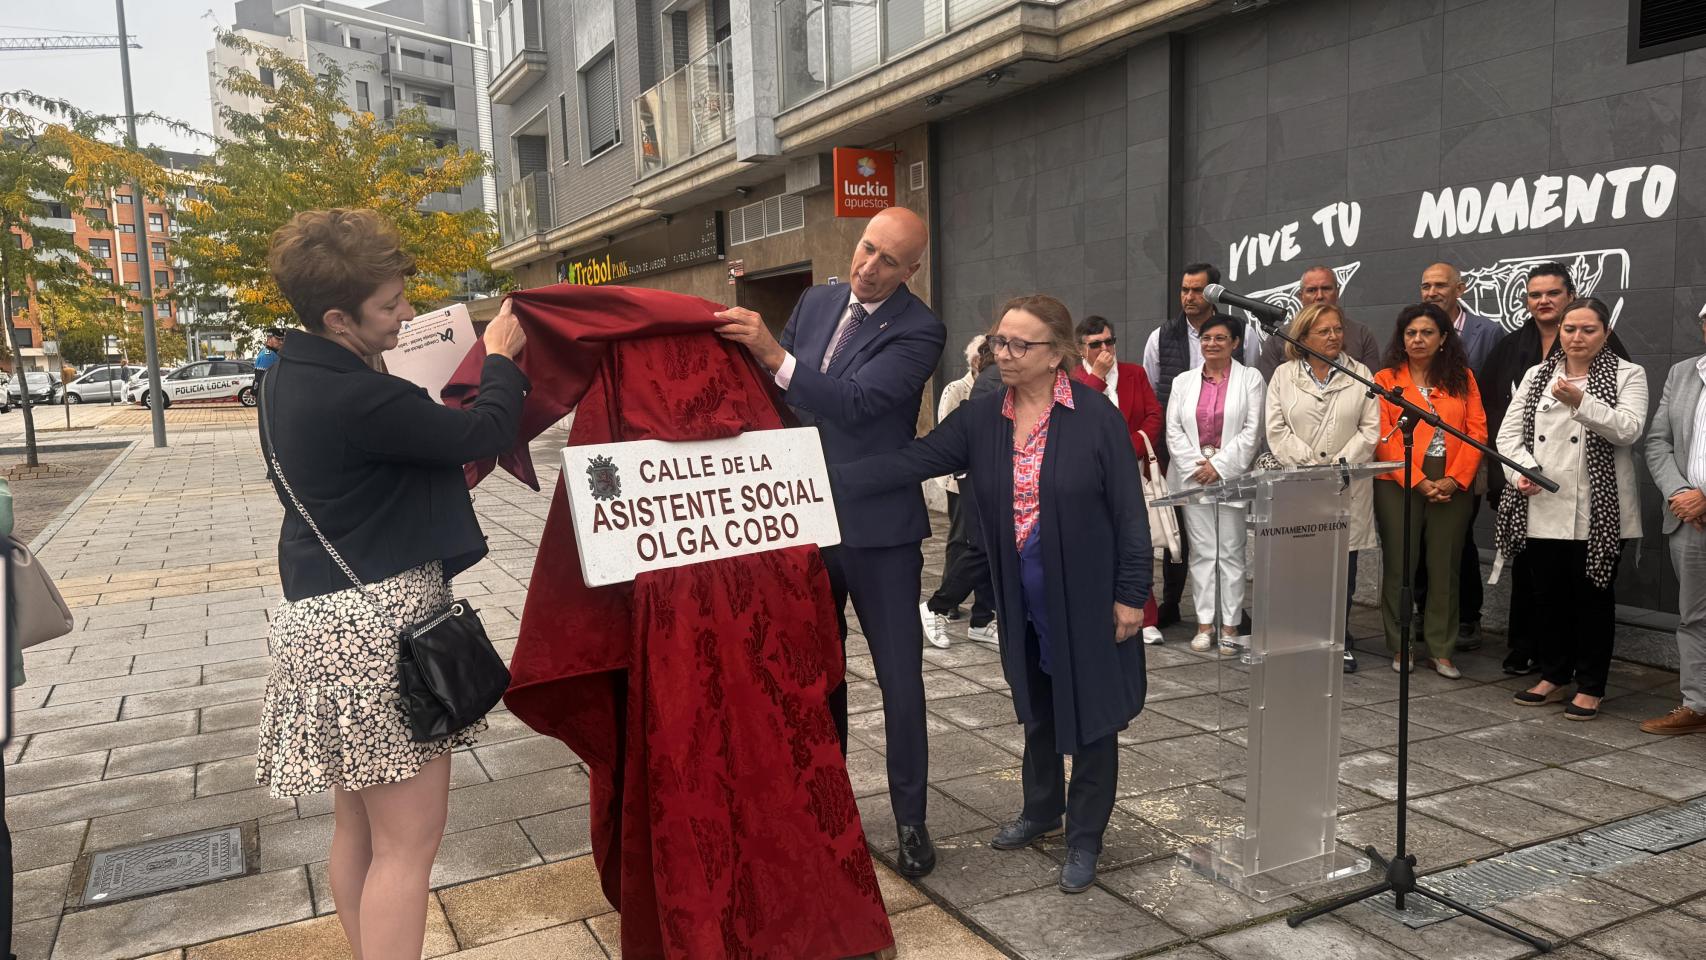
point(139, 212)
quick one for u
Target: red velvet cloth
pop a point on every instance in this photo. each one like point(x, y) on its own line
point(723, 823)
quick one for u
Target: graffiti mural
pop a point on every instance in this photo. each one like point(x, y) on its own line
point(1498, 291)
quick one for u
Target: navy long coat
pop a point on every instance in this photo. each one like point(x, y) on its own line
point(1095, 549)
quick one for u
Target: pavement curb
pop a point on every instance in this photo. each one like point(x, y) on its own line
point(47, 534)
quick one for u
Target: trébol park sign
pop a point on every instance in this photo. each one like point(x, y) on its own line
point(683, 242)
point(1500, 209)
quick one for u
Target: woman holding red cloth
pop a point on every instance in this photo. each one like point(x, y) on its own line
point(1060, 503)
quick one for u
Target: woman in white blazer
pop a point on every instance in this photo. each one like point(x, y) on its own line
point(1214, 429)
point(1316, 415)
point(1575, 417)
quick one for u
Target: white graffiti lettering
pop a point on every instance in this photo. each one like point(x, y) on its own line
point(1510, 207)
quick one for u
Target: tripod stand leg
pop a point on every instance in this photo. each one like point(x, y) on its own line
point(1303, 916)
point(1544, 946)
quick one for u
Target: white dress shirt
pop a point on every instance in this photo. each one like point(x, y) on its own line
point(1253, 340)
point(785, 373)
point(1697, 449)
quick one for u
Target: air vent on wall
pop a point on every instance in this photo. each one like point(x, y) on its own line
point(915, 176)
point(766, 218)
point(1659, 28)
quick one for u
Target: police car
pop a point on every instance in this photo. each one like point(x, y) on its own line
point(204, 380)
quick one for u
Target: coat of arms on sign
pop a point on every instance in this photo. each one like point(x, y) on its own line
point(602, 478)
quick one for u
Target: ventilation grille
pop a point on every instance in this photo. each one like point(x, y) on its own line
point(915, 176)
point(1661, 27)
point(766, 218)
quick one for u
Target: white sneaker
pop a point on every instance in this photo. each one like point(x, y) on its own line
point(935, 626)
point(1153, 637)
point(985, 634)
point(1202, 642)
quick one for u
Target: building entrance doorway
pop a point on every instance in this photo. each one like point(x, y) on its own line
point(772, 293)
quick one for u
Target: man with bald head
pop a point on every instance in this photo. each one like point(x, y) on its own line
point(1321, 285)
point(853, 361)
point(1442, 284)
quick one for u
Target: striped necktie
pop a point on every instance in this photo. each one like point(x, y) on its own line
point(855, 317)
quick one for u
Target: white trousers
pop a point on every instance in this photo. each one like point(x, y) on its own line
point(1217, 560)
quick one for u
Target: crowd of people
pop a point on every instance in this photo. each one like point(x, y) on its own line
point(1044, 444)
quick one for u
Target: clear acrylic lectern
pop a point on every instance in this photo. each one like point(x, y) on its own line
point(1290, 674)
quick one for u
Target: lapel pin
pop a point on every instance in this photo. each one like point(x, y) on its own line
point(883, 326)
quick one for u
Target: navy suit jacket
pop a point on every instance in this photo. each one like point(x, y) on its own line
point(868, 400)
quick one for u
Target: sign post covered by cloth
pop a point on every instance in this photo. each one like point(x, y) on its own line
point(864, 181)
point(722, 820)
point(650, 504)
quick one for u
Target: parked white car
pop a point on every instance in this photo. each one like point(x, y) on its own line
point(205, 380)
point(100, 384)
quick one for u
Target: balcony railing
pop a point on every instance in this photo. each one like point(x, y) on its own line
point(822, 43)
point(421, 67)
point(525, 208)
point(689, 111)
point(441, 117)
point(517, 48)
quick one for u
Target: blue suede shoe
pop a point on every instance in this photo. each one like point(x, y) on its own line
point(1021, 833)
point(1079, 871)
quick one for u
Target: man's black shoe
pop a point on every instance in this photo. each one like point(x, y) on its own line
point(1166, 614)
point(1518, 666)
point(1350, 662)
point(917, 854)
point(1019, 833)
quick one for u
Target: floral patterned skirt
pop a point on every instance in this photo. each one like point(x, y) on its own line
point(333, 716)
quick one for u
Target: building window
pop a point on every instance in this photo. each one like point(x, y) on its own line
point(125, 227)
point(563, 119)
point(104, 275)
point(156, 223)
point(598, 104)
point(134, 286)
point(122, 199)
point(157, 251)
point(266, 76)
point(20, 304)
point(162, 279)
point(95, 214)
point(1661, 27)
point(101, 249)
point(127, 257)
point(362, 101)
point(25, 338)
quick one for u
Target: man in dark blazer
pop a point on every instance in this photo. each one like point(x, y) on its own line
point(853, 361)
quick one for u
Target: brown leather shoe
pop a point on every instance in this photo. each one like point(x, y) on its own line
point(1680, 720)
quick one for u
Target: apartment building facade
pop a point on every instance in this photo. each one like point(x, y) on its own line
point(397, 55)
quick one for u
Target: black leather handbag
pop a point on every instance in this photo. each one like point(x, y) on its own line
point(449, 673)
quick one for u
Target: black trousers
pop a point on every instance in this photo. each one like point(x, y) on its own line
point(1470, 591)
point(1520, 636)
point(883, 583)
point(1575, 619)
point(965, 571)
point(1095, 770)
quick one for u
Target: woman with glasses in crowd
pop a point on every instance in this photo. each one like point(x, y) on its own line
point(1317, 415)
point(1427, 361)
point(1214, 429)
point(1060, 508)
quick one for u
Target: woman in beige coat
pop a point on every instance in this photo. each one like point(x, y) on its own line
point(1316, 415)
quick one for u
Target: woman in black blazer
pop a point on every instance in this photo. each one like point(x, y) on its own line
point(376, 465)
point(1060, 505)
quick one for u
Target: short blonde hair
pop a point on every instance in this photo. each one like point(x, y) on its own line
point(333, 260)
point(1305, 321)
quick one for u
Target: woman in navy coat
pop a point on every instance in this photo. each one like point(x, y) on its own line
point(1060, 503)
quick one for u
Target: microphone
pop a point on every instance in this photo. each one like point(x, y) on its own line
point(1260, 309)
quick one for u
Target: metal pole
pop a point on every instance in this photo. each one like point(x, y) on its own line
point(12, 343)
point(139, 208)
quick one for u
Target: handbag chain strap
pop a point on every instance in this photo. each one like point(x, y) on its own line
point(269, 384)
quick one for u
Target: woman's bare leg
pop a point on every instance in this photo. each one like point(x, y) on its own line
point(406, 823)
point(352, 852)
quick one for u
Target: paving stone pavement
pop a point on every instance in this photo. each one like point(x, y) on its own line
point(141, 724)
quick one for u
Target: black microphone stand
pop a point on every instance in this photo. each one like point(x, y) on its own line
point(1401, 867)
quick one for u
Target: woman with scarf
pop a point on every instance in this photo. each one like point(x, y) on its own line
point(1574, 417)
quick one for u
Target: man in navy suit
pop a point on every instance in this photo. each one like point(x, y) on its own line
point(853, 361)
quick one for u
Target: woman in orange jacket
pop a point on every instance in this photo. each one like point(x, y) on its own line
point(1426, 358)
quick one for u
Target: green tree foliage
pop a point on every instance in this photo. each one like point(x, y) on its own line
point(307, 149)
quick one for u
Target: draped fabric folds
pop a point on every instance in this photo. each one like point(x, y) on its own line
point(723, 823)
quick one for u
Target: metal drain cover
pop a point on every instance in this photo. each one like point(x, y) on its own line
point(1660, 831)
point(167, 864)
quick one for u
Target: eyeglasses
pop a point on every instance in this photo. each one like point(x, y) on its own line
point(1327, 333)
point(1013, 345)
point(1098, 344)
point(1215, 338)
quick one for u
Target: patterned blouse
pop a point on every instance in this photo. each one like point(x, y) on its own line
point(1028, 462)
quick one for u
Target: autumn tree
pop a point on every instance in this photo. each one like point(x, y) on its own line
point(53, 157)
point(307, 149)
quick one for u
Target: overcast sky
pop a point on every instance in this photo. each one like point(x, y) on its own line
point(168, 75)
